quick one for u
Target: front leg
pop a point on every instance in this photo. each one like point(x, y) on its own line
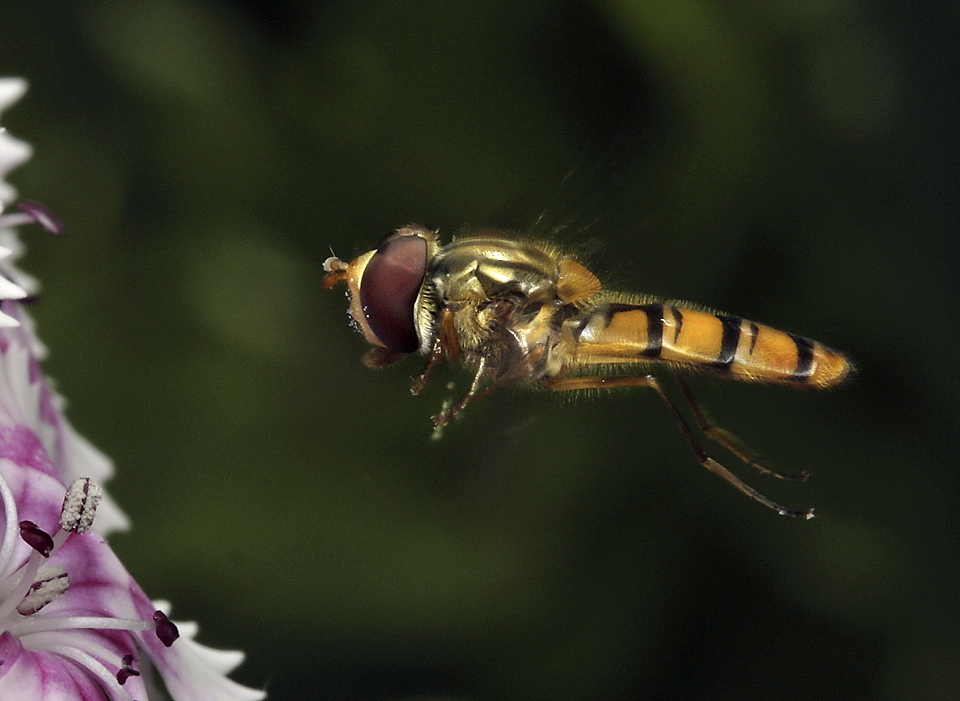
point(444, 416)
point(473, 393)
point(421, 378)
point(445, 343)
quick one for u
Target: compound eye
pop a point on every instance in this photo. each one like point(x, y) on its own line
point(389, 288)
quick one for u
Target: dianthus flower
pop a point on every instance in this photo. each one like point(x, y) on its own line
point(74, 625)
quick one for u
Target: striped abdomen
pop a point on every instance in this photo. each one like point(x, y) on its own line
point(728, 345)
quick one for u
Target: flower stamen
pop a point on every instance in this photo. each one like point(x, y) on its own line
point(80, 505)
point(42, 546)
point(93, 665)
point(38, 586)
point(166, 630)
point(127, 670)
point(51, 583)
point(36, 538)
point(33, 213)
point(42, 216)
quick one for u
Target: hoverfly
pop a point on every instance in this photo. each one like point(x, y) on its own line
point(522, 312)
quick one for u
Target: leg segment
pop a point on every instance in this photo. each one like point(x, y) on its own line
point(473, 393)
point(574, 383)
point(445, 343)
point(728, 440)
point(421, 378)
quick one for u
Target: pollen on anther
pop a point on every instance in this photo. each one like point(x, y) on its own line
point(80, 505)
point(51, 584)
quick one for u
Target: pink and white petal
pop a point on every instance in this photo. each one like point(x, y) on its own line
point(38, 495)
point(43, 676)
point(21, 406)
point(7, 320)
point(100, 584)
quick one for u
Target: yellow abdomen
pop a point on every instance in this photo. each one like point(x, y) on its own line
point(727, 345)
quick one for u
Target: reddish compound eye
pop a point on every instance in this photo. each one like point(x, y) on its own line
point(389, 288)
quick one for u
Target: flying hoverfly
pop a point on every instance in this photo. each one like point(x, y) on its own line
point(521, 312)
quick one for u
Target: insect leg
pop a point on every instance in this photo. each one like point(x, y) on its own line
point(726, 439)
point(444, 416)
point(444, 344)
point(421, 378)
point(601, 382)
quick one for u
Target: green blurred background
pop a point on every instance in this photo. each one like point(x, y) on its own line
point(792, 161)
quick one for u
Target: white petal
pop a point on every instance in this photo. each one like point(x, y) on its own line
point(189, 666)
point(13, 152)
point(9, 290)
point(11, 90)
point(9, 241)
point(197, 669)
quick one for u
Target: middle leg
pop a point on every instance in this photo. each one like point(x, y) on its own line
point(648, 381)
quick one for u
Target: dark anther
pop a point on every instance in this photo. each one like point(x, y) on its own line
point(36, 538)
point(166, 630)
point(127, 670)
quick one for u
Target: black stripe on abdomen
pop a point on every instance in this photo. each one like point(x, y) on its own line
point(728, 342)
point(754, 332)
point(604, 312)
point(654, 314)
point(804, 368)
point(678, 322)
